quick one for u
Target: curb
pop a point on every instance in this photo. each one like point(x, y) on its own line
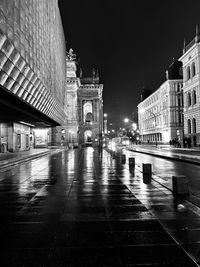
point(166, 157)
point(7, 163)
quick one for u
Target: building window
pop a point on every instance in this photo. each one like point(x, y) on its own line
point(189, 126)
point(27, 140)
point(194, 125)
point(193, 70)
point(19, 140)
point(87, 109)
point(188, 73)
point(179, 101)
point(179, 118)
point(194, 97)
point(189, 99)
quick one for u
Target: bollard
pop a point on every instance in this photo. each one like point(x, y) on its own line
point(180, 185)
point(132, 165)
point(113, 154)
point(132, 170)
point(146, 169)
point(131, 162)
point(123, 159)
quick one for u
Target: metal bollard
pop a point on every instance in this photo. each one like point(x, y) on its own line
point(131, 162)
point(180, 185)
point(123, 159)
point(113, 154)
point(146, 169)
point(132, 165)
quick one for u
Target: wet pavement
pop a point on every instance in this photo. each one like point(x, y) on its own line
point(82, 208)
point(190, 155)
point(13, 158)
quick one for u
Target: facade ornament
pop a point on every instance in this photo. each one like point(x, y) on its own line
point(197, 30)
point(71, 56)
point(81, 73)
point(197, 34)
point(184, 45)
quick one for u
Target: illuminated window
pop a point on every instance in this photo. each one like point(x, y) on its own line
point(87, 109)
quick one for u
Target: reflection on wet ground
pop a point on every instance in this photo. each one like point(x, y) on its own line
point(83, 208)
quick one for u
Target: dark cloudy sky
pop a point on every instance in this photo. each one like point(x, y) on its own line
point(132, 42)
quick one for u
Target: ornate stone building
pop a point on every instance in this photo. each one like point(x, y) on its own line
point(160, 115)
point(84, 108)
point(67, 133)
point(191, 89)
point(32, 72)
point(90, 110)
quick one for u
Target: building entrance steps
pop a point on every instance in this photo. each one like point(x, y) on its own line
point(83, 208)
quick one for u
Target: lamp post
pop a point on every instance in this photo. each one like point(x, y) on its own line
point(105, 123)
point(154, 116)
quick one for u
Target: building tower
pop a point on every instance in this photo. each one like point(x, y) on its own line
point(67, 133)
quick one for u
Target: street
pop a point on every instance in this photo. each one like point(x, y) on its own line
point(82, 208)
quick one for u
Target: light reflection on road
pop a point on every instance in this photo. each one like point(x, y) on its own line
point(166, 168)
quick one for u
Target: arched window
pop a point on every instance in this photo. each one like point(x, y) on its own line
point(189, 126)
point(193, 69)
point(189, 99)
point(188, 73)
point(194, 128)
point(87, 108)
point(194, 97)
point(89, 117)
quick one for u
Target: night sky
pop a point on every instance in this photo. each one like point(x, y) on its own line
point(131, 42)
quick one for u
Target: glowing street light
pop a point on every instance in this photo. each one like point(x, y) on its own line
point(133, 124)
point(105, 123)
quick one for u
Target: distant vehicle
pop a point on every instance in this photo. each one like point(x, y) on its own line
point(121, 141)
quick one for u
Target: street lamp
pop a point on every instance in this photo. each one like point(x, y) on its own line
point(154, 116)
point(105, 123)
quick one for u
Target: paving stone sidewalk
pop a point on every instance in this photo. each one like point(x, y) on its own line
point(83, 208)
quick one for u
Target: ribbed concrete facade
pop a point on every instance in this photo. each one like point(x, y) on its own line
point(32, 54)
